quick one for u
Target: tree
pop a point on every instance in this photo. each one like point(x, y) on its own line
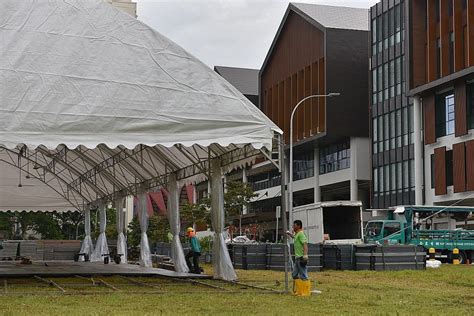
point(193, 214)
point(237, 195)
point(158, 229)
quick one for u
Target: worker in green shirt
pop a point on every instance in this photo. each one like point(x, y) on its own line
point(194, 252)
point(300, 269)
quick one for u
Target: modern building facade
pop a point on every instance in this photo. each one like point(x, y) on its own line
point(441, 76)
point(392, 129)
point(317, 50)
point(422, 107)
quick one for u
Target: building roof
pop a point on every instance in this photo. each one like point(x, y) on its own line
point(244, 79)
point(335, 17)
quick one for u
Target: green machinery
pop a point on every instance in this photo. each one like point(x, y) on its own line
point(414, 225)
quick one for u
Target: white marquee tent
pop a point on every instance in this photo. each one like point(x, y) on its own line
point(96, 106)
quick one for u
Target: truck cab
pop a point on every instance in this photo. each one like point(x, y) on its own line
point(391, 232)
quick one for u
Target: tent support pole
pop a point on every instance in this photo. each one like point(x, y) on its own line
point(283, 204)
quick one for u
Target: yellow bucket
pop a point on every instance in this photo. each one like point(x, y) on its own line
point(302, 287)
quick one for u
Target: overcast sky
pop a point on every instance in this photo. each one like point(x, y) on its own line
point(224, 32)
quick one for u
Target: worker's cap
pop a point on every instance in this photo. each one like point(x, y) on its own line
point(189, 229)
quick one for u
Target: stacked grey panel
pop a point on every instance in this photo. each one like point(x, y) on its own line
point(339, 257)
point(163, 249)
point(276, 257)
point(9, 250)
point(250, 257)
point(398, 257)
point(32, 249)
point(60, 249)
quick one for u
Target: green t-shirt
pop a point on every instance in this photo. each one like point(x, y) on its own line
point(300, 240)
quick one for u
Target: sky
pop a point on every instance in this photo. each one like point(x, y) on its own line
point(235, 33)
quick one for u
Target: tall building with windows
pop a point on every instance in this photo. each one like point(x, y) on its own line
point(440, 50)
point(422, 106)
point(391, 110)
point(317, 50)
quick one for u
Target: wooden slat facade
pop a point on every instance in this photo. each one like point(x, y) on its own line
point(459, 167)
point(440, 171)
point(425, 64)
point(460, 109)
point(429, 111)
point(295, 69)
point(470, 165)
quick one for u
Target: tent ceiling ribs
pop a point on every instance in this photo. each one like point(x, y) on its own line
point(59, 158)
point(64, 194)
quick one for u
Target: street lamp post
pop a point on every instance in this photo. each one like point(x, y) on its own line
point(290, 182)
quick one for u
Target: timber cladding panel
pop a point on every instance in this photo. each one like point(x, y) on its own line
point(429, 112)
point(459, 167)
point(470, 165)
point(440, 171)
point(460, 108)
point(296, 69)
point(430, 39)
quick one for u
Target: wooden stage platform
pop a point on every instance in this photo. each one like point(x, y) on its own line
point(71, 268)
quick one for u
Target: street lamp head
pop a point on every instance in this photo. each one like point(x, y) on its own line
point(334, 94)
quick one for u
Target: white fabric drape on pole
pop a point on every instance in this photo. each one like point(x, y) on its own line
point(87, 246)
point(101, 247)
point(121, 242)
point(177, 251)
point(145, 254)
point(221, 262)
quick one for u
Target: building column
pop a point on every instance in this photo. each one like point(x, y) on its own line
point(418, 149)
point(354, 190)
point(317, 188)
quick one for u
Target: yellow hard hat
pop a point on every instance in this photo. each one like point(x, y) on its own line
point(189, 229)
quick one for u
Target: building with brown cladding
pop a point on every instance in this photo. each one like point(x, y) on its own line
point(317, 50)
point(437, 49)
point(440, 51)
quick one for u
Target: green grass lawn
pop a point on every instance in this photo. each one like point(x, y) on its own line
point(449, 290)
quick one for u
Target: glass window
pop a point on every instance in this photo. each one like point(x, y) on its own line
point(405, 126)
point(470, 106)
point(387, 178)
point(397, 18)
point(399, 177)
point(406, 178)
point(374, 80)
point(398, 116)
point(410, 123)
point(412, 174)
point(375, 135)
point(335, 157)
point(376, 181)
point(392, 130)
point(265, 180)
point(374, 31)
point(303, 166)
point(444, 114)
point(386, 134)
point(392, 79)
point(380, 132)
point(393, 178)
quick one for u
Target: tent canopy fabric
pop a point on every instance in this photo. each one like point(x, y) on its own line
point(93, 102)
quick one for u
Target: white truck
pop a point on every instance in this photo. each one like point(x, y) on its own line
point(331, 222)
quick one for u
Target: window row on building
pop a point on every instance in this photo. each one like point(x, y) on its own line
point(335, 157)
point(388, 80)
point(392, 130)
point(393, 178)
point(387, 29)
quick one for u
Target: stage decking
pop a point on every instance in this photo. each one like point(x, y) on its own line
point(71, 268)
